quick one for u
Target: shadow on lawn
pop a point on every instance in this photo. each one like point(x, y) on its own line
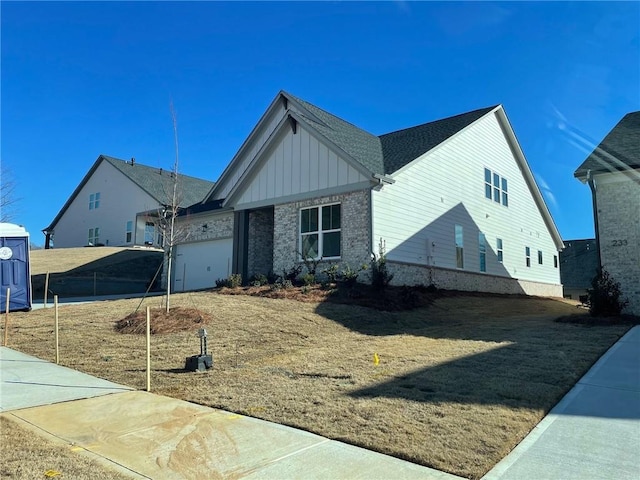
point(532, 363)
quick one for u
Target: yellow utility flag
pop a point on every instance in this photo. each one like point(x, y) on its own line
point(376, 359)
point(51, 473)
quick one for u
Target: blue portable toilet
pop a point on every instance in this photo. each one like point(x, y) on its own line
point(15, 272)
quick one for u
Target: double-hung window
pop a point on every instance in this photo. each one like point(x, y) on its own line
point(94, 236)
point(129, 232)
point(149, 233)
point(527, 256)
point(459, 246)
point(94, 200)
point(499, 250)
point(496, 187)
point(320, 232)
point(482, 248)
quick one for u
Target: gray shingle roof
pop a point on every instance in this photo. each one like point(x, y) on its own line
point(618, 151)
point(154, 181)
point(389, 152)
point(359, 144)
point(403, 146)
point(159, 183)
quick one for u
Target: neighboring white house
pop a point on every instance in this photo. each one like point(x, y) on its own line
point(612, 171)
point(116, 202)
point(454, 202)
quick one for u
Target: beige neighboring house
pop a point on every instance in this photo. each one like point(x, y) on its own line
point(116, 202)
point(612, 171)
point(453, 201)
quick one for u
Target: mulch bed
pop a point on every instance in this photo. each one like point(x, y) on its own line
point(391, 299)
point(588, 319)
point(178, 319)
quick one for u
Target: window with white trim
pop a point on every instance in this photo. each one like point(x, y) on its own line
point(149, 233)
point(482, 250)
point(129, 232)
point(499, 250)
point(496, 187)
point(527, 255)
point(555, 261)
point(320, 231)
point(459, 238)
point(94, 236)
point(539, 257)
point(94, 200)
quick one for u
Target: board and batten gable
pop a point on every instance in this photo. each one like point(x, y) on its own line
point(297, 165)
point(120, 201)
point(416, 216)
point(249, 149)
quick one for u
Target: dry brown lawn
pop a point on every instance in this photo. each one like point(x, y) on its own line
point(57, 260)
point(459, 383)
point(28, 456)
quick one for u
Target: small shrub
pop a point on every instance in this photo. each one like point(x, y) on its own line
point(332, 272)
point(271, 277)
point(605, 296)
point(380, 276)
point(310, 263)
point(308, 279)
point(348, 276)
point(259, 280)
point(281, 284)
point(234, 280)
point(292, 273)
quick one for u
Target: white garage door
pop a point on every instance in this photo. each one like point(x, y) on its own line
point(199, 265)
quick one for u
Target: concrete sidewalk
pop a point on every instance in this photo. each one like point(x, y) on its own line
point(593, 432)
point(151, 436)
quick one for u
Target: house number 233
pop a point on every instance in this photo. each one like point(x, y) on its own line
point(618, 243)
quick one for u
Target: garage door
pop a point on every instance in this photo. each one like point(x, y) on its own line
point(199, 265)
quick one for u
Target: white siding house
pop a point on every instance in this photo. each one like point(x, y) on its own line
point(115, 203)
point(307, 183)
point(497, 221)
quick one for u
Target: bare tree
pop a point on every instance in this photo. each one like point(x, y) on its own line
point(166, 219)
point(8, 199)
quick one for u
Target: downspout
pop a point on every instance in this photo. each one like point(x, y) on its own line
point(594, 201)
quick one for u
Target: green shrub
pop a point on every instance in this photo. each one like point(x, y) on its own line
point(234, 280)
point(604, 298)
point(308, 279)
point(332, 272)
point(380, 276)
point(292, 273)
point(259, 280)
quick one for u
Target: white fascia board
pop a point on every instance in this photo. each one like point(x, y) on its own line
point(528, 176)
point(229, 170)
point(248, 174)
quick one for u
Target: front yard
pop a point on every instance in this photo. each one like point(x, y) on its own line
point(456, 386)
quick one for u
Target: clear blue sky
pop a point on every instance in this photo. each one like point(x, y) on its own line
point(80, 79)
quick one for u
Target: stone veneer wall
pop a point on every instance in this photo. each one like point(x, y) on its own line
point(355, 225)
point(619, 235)
point(408, 274)
point(193, 229)
point(260, 248)
point(217, 226)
